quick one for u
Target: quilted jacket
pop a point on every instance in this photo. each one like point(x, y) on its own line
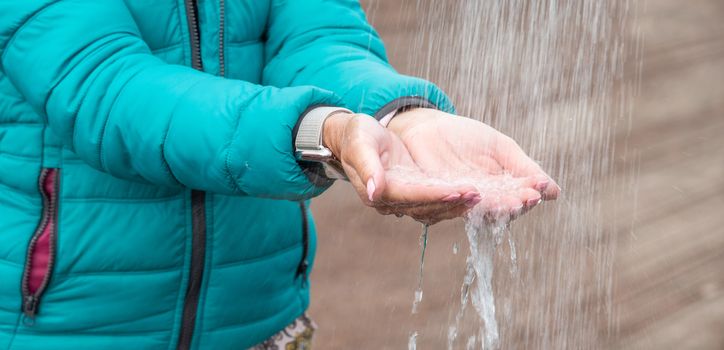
point(149, 193)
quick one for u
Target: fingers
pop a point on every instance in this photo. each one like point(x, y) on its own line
point(552, 191)
point(529, 197)
point(364, 169)
point(375, 188)
point(361, 187)
point(450, 207)
point(428, 214)
point(494, 208)
point(451, 213)
point(399, 191)
point(514, 160)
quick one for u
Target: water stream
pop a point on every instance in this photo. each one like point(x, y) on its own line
point(557, 76)
point(423, 245)
point(484, 238)
point(485, 226)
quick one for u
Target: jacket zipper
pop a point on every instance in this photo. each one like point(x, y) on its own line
point(195, 38)
point(222, 26)
point(31, 298)
point(303, 263)
point(198, 211)
point(198, 254)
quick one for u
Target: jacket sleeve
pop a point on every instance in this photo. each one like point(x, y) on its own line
point(329, 44)
point(84, 68)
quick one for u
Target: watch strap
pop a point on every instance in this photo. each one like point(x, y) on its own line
point(403, 104)
point(311, 127)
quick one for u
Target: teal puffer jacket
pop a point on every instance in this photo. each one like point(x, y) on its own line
point(176, 213)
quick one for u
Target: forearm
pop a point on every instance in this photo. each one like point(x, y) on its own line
point(128, 113)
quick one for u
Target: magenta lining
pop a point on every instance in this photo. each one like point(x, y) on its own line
point(40, 255)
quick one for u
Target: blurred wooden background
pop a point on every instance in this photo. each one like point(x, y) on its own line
point(668, 224)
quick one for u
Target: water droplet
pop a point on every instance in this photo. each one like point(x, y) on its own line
point(513, 255)
point(452, 334)
point(471, 343)
point(412, 342)
point(418, 299)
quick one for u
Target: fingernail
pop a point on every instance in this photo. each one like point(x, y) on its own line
point(548, 196)
point(541, 186)
point(470, 195)
point(451, 198)
point(532, 202)
point(370, 189)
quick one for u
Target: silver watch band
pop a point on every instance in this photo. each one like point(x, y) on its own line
point(309, 141)
point(309, 133)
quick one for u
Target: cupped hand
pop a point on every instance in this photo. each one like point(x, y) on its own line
point(465, 151)
point(368, 152)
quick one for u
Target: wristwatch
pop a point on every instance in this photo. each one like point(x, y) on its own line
point(309, 146)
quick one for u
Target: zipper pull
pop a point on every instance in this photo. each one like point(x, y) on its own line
point(30, 309)
point(302, 270)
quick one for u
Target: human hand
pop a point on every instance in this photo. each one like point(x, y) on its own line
point(368, 151)
point(462, 150)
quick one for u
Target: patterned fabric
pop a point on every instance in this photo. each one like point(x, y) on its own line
point(296, 336)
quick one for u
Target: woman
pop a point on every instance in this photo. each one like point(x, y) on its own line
point(156, 159)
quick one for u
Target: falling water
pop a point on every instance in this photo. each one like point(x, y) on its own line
point(412, 341)
point(423, 245)
point(557, 76)
point(484, 238)
point(485, 229)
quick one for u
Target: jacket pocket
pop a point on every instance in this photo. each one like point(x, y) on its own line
point(40, 255)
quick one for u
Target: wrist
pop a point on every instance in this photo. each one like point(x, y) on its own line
point(406, 119)
point(333, 131)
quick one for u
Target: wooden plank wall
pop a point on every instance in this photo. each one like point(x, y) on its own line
point(670, 268)
point(668, 276)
